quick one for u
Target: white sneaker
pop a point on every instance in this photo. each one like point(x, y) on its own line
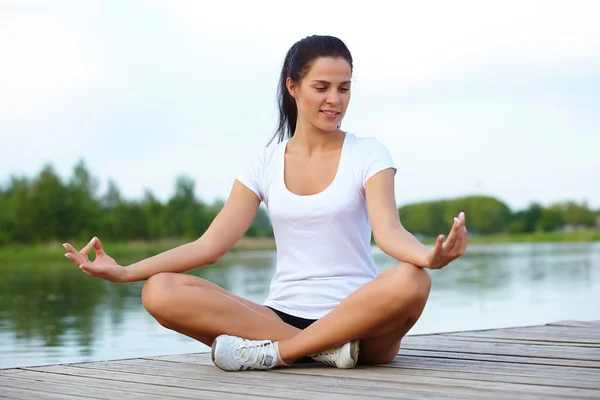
point(344, 356)
point(232, 353)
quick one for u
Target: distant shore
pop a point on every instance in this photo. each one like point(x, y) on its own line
point(253, 243)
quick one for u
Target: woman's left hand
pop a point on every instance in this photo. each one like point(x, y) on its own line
point(445, 252)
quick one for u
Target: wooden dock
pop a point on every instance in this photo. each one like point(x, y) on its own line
point(558, 360)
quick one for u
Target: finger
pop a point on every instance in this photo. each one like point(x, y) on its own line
point(77, 258)
point(465, 238)
point(463, 218)
point(70, 257)
point(85, 270)
point(455, 251)
point(88, 247)
point(435, 252)
point(439, 243)
point(98, 247)
point(454, 232)
point(70, 248)
point(461, 242)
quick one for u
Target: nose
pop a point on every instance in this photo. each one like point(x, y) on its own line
point(333, 97)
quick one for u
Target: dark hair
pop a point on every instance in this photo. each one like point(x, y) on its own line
point(296, 64)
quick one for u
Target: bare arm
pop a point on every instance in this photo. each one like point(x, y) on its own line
point(227, 228)
point(389, 234)
point(396, 241)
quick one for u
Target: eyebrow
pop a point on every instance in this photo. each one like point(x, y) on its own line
point(327, 82)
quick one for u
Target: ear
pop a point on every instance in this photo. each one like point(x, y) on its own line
point(291, 87)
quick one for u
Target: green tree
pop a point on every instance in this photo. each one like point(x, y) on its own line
point(484, 215)
point(49, 206)
point(526, 220)
point(551, 220)
point(184, 215)
point(110, 204)
point(577, 214)
point(154, 212)
point(83, 215)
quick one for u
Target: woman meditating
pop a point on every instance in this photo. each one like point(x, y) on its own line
point(325, 190)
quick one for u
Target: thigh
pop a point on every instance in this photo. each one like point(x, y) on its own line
point(176, 279)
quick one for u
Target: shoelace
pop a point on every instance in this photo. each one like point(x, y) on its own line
point(252, 353)
point(329, 352)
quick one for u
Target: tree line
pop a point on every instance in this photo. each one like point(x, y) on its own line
point(46, 208)
point(488, 215)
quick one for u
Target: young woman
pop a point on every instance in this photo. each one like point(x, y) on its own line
point(325, 189)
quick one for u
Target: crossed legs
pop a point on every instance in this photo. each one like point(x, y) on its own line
point(379, 314)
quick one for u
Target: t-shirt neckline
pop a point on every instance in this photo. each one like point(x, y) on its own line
point(331, 184)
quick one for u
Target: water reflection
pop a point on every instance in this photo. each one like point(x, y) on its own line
point(51, 313)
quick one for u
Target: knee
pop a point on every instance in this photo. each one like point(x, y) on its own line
point(156, 293)
point(408, 283)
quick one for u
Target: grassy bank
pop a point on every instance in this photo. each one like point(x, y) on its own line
point(136, 248)
point(147, 249)
point(590, 235)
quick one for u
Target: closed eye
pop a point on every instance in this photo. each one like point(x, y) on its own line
point(322, 89)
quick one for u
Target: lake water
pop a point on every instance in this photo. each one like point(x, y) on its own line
point(53, 313)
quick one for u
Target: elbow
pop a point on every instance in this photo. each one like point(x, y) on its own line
point(215, 257)
point(381, 241)
point(210, 251)
point(388, 239)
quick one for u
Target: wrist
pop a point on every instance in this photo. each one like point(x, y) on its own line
point(125, 276)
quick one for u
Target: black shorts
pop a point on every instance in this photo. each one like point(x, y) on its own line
point(300, 323)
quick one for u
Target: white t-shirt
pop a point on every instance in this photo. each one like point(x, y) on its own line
point(323, 240)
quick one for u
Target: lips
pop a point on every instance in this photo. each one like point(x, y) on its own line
point(330, 114)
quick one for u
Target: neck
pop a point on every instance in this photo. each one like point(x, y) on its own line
point(308, 138)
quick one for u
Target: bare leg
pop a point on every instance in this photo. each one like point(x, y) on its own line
point(379, 313)
point(202, 310)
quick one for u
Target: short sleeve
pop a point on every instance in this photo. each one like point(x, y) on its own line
point(377, 159)
point(251, 175)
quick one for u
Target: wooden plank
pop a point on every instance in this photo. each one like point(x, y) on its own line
point(69, 389)
point(496, 362)
point(203, 388)
point(549, 330)
point(430, 357)
point(571, 323)
point(27, 394)
point(485, 338)
point(570, 356)
point(510, 390)
point(64, 375)
point(541, 375)
point(532, 334)
point(342, 386)
point(557, 374)
point(206, 380)
point(552, 376)
point(401, 382)
point(558, 360)
point(530, 361)
point(590, 352)
point(499, 377)
point(533, 352)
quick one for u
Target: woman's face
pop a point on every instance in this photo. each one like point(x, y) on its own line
point(324, 93)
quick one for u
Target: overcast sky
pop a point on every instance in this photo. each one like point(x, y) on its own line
point(494, 98)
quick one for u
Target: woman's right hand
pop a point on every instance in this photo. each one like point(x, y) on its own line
point(103, 266)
